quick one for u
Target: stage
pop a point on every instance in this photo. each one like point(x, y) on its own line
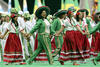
point(56, 64)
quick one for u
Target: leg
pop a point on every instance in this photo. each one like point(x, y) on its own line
point(47, 47)
point(96, 59)
point(32, 42)
point(58, 42)
point(35, 53)
point(26, 47)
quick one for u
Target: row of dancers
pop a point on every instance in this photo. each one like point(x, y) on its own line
point(68, 35)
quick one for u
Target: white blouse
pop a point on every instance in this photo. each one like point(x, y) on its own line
point(4, 27)
point(28, 26)
point(47, 24)
point(83, 24)
point(12, 29)
point(21, 22)
point(70, 25)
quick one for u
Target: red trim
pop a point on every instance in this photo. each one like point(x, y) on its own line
point(42, 55)
point(41, 59)
point(14, 56)
point(77, 25)
point(74, 53)
point(86, 25)
point(77, 58)
point(13, 27)
point(63, 25)
point(5, 60)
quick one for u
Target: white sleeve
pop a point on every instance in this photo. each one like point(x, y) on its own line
point(85, 24)
point(21, 21)
point(21, 24)
point(65, 23)
point(33, 22)
point(84, 21)
point(74, 21)
point(9, 26)
point(21, 28)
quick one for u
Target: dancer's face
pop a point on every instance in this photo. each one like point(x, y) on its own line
point(43, 14)
point(80, 16)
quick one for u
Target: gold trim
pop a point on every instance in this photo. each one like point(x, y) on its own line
point(47, 45)
point(58, 42)
point(12, 52)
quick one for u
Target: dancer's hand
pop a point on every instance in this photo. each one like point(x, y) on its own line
point(83, 33)
point(28, 38)
point(57, 34)
point(1, 37)
point(50, 36)
point(88, 34)
point(26, 35)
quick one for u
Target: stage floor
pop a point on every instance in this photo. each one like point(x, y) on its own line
point(56, 64)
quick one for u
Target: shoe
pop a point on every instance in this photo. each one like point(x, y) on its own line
point(83, 62)
point(23, 63)
point(24, 60)
point(29, 62)
point(94, 62)
point(75, 64)
point(61, 62)
point(53, 55)
point(51, 63)
point(6, 63)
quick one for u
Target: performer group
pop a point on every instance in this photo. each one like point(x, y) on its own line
point(68, 35)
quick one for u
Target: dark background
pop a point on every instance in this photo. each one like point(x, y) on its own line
point(54, 5)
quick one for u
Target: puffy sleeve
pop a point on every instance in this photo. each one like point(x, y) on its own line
point(36, 26)
point(33, 22)
point(74, 22)
point(9, 26)
point(66, 23)
point(84, 22)
point(21, 28)
point(21, 24)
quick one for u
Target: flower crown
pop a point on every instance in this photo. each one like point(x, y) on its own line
point(13, 15)
point(78, 13)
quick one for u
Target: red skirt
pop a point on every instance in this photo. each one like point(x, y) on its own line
point(72, 48)
point(83, 44)
point(13, 49)
point(95, 45)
